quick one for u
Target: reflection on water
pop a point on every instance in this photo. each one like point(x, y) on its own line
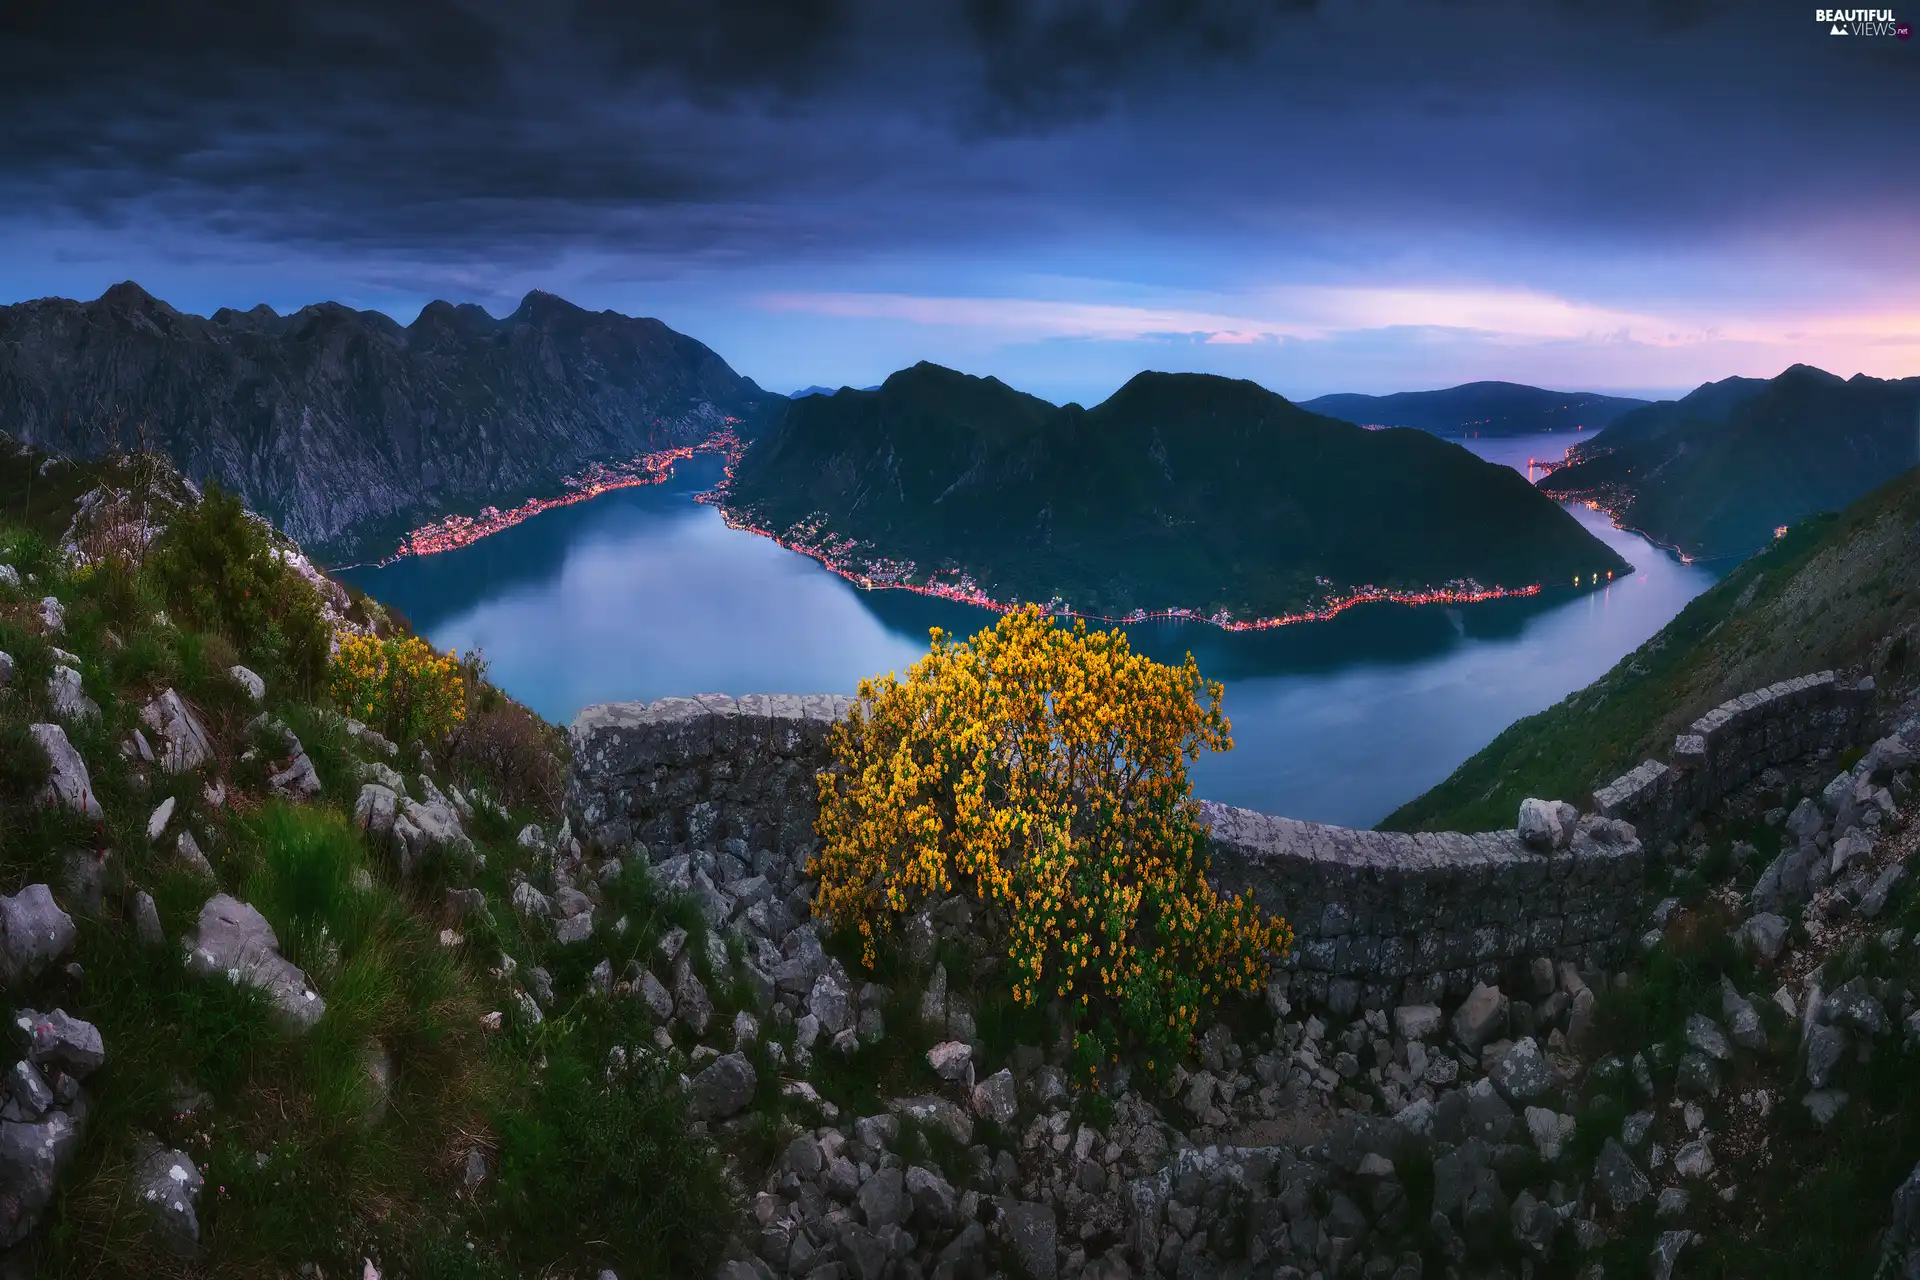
point(643, 594)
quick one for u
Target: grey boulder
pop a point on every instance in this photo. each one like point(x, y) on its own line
point(34, 932)
point(236, 941)
point(186, 746)
point(168, 1185)
point(68, 783)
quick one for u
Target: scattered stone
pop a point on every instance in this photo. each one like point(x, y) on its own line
point(1666, 1252)
point(187, 747)
point(69, 699)
point(32, 1156)
point(1523, 1074)
point(996, 1098)
point(146, 921)
point(1478, 1018)
point(34, 932)
point(1620, 1179)
point(168, 1183)
point(724, 1088)
point(1694, 1160)
point(1825, 1046)
point(68, 783)
point(235, 940)
point(1824, 1104)
point(256, 687)
point(1031, 1232)
point(951, 1060)
point(1550, 1131)
point(1704, 1034)
point(157, 823)
point(62, 1041)
point(1416, 1021)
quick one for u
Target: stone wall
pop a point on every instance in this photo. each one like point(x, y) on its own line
point(691, 772)
point(1394, 917)
point(1733, 743)
point(1378, 917)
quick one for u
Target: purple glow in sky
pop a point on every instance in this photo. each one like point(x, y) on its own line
point(1345, 195)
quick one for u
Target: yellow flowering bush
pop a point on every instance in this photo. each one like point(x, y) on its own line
point(399, 686)
point(1042, 770)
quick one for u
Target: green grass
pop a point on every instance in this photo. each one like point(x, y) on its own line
point(301, 1163)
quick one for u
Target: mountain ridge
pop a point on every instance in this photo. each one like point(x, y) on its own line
point(345, 426)
point(1719, 477)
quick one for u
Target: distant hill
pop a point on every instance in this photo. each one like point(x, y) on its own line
point(1478, 408)
point(817, 390)
point(1180, 490)
point(1717, 478)
point(1708, 403)
point(340, 425)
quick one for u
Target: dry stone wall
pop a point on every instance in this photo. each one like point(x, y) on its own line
point(1380, 918)
point(1735, 742)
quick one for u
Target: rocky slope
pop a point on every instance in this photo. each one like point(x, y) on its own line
point(1479, 409)
point(343, 426)
point(1719, 481)
point(1179, 490)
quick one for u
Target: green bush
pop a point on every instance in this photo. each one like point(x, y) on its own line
point(218, 569)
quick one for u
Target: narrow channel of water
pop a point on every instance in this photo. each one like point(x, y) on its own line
point(644, 594)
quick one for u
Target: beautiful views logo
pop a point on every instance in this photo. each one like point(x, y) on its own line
point(1862, 22)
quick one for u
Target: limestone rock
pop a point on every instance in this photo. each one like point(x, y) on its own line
point(374, 812)
point(68, 783)
point(69, 699)
point(34, 932)
point(724, 1088)
point(236, 941)
point(168, 1184)
point(996, 1098)
point(62, 1040)
point(146, 921)
point(951, 1060)
point(1031, 1232)
point(186, 746)
point(31, 1158)
point(1764, 935)
point(1619, 1178)
point(1523, 1074)
point(256, 687)
point(1478, 1018)
point(1539, 826)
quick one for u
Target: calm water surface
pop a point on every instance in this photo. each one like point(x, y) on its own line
point(644, 594)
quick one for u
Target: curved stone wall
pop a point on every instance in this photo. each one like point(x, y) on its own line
point(1734, 742)
point(1379, 917)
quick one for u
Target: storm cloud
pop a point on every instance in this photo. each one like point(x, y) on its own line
point(964, 146)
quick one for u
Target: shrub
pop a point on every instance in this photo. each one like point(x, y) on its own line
point(1044, 771)
point(220, 573)
point(513, 749)
point(400, 686)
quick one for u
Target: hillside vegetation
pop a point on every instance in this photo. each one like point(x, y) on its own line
point(1716, 477)
point(1180, 490)
point(168, 736)
point(1836, 592)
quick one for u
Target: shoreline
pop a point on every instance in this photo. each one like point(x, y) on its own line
point(451, 533)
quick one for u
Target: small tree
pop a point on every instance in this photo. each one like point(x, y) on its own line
point(1043, 771)
point(217, 566)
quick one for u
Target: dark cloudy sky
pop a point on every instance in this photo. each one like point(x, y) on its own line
point(1344, 195)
